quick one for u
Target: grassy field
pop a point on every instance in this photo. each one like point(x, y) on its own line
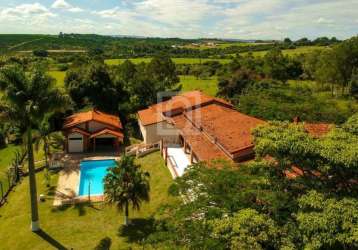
point(221, 45)
point(290, 52)
point(208, 86)
point(81, 226)
point(59, 76)
point(175, 60)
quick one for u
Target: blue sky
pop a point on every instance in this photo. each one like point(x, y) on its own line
point(245, 19)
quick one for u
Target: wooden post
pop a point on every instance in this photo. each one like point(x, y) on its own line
point(166, 156)
point(2, 190)
point(9, 179)
point(161, 147)
point(66, 144)
point(191, 156)
point(117, 143)
point(94, 144)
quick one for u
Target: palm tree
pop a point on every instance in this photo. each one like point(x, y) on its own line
point(126, 183)
point(27, 97)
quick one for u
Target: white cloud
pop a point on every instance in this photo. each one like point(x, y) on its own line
point(324, 20)
point(62, 4)
point(247, 19)
point(176, 12)
point(34, 12)
point(115, 13)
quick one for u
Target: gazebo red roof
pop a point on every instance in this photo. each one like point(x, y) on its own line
point(92, 115)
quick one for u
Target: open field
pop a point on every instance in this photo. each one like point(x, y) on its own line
point(81, 226)
point(221, 45)
point(208, 86)
point(175, 60)
point(289, 52)
point(59, 77)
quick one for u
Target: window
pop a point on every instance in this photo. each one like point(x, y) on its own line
point(75, 139)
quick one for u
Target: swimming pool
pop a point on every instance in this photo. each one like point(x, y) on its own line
point(92, 174)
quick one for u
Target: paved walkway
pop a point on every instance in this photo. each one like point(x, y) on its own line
point(178, 159)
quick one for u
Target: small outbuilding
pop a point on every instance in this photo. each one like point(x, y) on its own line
point(92, 131)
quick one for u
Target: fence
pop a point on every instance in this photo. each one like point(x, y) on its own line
point(140, 150)
point(8, 181)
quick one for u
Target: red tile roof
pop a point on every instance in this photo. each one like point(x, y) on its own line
point(203, 148)
point(79, 130)
point(149, 116)
point(107, 131)
point(216, 131)
point(226, 126)
point(93, 115)
point(185, 101)
point(317, 130)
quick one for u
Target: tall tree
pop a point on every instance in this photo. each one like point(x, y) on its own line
point(275, 65)
point(234, 85)
point(27, 98)
point(126, 184)
point(92, 85)
point(163, 71)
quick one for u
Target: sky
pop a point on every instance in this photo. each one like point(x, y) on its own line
point(240, 19)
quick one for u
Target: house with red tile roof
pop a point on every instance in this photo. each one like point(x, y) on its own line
point(208, 128)
point(92, 131)
point(203, 128)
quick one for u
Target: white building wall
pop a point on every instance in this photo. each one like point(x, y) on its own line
point(155, 132)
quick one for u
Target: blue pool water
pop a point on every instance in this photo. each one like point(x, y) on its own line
point(92, 174)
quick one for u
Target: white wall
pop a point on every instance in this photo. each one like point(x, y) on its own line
point(155, 132)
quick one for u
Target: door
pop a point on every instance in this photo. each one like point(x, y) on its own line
point(75, 143)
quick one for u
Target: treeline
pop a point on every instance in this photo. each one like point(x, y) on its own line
point(121, 90)
point(128, 47)
point(90, 83)
point(320, 41)
point(259, 85)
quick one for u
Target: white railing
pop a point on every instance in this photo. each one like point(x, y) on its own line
point(140, 150)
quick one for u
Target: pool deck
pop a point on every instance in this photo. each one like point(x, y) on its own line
point(69, 177)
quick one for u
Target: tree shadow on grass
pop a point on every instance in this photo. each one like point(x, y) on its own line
point(50, 240)
point(81, 207)
point(104, 244)
point(137, 230)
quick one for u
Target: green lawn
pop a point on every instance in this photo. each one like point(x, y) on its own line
point(59, 77)
point(208, 86)
point(176, 60)
point(81, 226)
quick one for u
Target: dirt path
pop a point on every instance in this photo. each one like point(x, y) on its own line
point(23, 43)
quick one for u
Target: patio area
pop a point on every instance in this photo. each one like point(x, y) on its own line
point(178, 160)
